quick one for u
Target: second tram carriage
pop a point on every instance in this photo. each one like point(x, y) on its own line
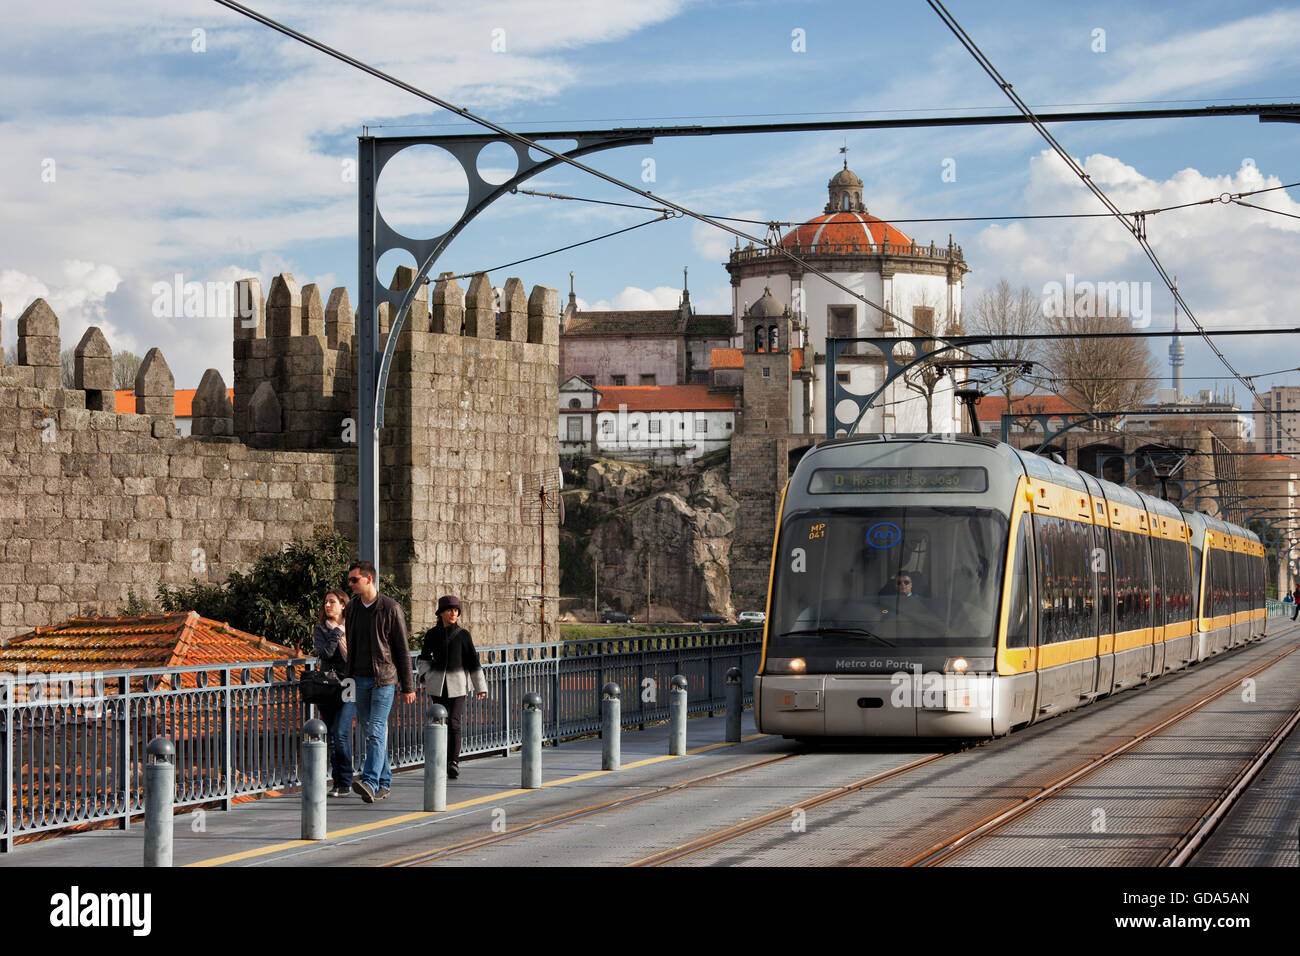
point(959, 587)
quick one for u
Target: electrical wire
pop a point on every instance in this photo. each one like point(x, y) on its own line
point(573, 245)
point(891, 220)
point(1136, 228)
point(559, 157)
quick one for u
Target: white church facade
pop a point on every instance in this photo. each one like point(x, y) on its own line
point(920, 284)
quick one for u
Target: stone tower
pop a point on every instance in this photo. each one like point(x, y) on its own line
point(760, 450)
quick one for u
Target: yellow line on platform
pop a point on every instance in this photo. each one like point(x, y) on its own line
point(464, 804)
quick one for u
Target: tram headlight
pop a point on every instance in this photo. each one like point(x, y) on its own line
point(967, 665)
point(786, 665)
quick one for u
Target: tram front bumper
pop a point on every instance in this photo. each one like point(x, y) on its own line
point(876, 705)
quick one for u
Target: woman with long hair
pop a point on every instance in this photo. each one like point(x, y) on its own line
point(331, 645)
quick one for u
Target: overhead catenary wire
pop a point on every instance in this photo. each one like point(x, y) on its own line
point(573, 245)
point(1136, 228)
point(1224, 198)
point(560, 157)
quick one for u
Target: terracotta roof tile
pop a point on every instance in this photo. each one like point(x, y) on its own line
point(720, 359)
point(124, 401)
point(844, 229)
point(991, 407)
point(664, 398)
point(163, 640)
point(726, 358)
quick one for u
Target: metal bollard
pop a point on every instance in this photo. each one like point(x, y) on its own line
point(314, 765)
point(735, 704)
point(611, 750)
point(531, 774)
point(159, 796)
point(677, 717)
point(435, 759)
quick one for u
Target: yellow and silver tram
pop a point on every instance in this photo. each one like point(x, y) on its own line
point(958, 587)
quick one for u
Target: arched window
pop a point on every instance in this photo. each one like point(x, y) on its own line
point(758, 338)
point(774, 339)
point(844, 201)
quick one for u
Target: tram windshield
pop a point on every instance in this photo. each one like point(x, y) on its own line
point(887, 587)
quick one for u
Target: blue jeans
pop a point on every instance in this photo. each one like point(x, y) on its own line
point(373, 705)
point(338, 718)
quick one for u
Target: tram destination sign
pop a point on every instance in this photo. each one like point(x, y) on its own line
point(875, 481)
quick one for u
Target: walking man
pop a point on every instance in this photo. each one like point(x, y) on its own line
point(380, 662)
point(1295, 607)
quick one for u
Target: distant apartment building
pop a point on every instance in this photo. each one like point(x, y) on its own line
point(1213, 410)
point(1279, 433)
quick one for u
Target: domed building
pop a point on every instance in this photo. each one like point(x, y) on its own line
point(922, 284)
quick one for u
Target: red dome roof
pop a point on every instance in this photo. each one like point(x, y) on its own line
point(844, 229)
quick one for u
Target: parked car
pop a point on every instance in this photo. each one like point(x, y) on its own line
point(616, 617)
point(751, 617)
point(709, 617)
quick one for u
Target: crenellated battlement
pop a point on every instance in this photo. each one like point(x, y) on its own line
point(93, 503)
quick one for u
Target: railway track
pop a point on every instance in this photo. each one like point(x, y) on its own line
point(568, 816)
point(1212, 817)
point(957, 842)
point(996, 822)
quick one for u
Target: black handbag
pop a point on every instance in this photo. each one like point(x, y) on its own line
point(321, 687)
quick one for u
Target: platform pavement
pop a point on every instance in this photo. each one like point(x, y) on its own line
point(267, 831)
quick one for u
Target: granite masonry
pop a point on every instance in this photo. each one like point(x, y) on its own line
point(93, 503)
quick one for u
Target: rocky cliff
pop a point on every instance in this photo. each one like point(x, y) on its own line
point(626, 521)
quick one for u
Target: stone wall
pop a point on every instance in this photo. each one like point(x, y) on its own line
point(631, 356)
point(93, 504)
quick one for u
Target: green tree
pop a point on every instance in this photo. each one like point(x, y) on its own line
point(280, 598)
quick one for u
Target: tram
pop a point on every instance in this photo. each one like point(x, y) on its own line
point(954, 586)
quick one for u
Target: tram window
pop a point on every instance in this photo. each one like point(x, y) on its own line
point(1101, 540)
point(1216, 590)
point(1159, 587)
point(1018, 633)
point(1065, 581)
point(1196, 581)
point(1123, 581)
point(1146, 578)
point(1180, 606)
point(833, 590)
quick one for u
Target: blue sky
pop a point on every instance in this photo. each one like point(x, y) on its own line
point(229, 161)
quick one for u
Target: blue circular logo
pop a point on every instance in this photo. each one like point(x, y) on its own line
point(884, 535)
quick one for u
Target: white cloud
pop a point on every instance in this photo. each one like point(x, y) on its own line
point(633, 297)
point(1234, 264)
point(1204, 60)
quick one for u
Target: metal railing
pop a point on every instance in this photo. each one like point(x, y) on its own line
point(72, 747)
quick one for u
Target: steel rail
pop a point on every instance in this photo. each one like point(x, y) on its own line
point(1211, 819)
point(730, 833)
point(568, 815)
point(941, 852)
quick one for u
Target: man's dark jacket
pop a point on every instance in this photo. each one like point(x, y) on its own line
point(390, 653)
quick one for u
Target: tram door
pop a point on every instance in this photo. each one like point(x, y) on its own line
point(1022, 625)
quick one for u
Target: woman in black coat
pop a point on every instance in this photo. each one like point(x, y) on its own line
point(448, 668)
point(331, 646)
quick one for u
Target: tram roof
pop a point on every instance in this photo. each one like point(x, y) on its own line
point(1036, 466)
